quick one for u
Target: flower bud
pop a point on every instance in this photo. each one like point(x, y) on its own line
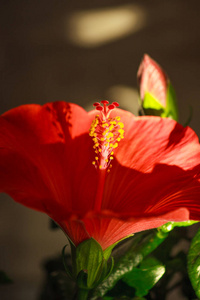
point(156, 92)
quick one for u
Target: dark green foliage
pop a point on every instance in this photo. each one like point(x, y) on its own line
point(194, 263)
point(4, 279)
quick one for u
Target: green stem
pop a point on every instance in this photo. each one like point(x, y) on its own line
point(82, 294)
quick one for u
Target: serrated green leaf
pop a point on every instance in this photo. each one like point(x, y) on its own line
point(89, 258)
point(194, 263)
point(145, 277)
point(142, 246)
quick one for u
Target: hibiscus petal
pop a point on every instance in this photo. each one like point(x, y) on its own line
point(40, 147)
point(156, 169)
point(107, 229)
point(46, 163)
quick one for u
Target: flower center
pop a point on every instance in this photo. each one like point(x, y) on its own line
point(106, 133)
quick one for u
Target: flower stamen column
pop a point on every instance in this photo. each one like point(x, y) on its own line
point(106, 133)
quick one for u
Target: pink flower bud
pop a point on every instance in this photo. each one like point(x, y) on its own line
point(152, 79)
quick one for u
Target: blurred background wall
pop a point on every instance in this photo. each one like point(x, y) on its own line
point(83, 51)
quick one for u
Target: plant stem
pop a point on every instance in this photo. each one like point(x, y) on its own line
point(82, 294)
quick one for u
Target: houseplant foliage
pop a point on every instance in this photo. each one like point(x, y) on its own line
point(104, 176)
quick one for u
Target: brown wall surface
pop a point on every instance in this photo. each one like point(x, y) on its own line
point(83, 51)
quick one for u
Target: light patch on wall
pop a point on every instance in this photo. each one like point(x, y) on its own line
point(126, 96)
point(93, 28)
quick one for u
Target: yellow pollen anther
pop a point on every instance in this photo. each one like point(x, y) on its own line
point(105, 132)
point(113, 122)
point(121, 125)
point(110, 134)
point(121, 131)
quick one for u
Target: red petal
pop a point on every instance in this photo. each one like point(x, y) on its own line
point(40, 147)
point(45, 163)
point(156, 169)
point(106, 229)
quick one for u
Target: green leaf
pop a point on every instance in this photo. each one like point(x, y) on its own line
point(89, 259)
point(170, 225)
point(145, 277)
point(142, 245)
point(194, 263)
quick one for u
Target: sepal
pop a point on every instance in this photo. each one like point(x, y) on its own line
point(153, 106)
point(91, 265)
point(68, 272)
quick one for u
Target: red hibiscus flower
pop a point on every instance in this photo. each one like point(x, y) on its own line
point(53, 160)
